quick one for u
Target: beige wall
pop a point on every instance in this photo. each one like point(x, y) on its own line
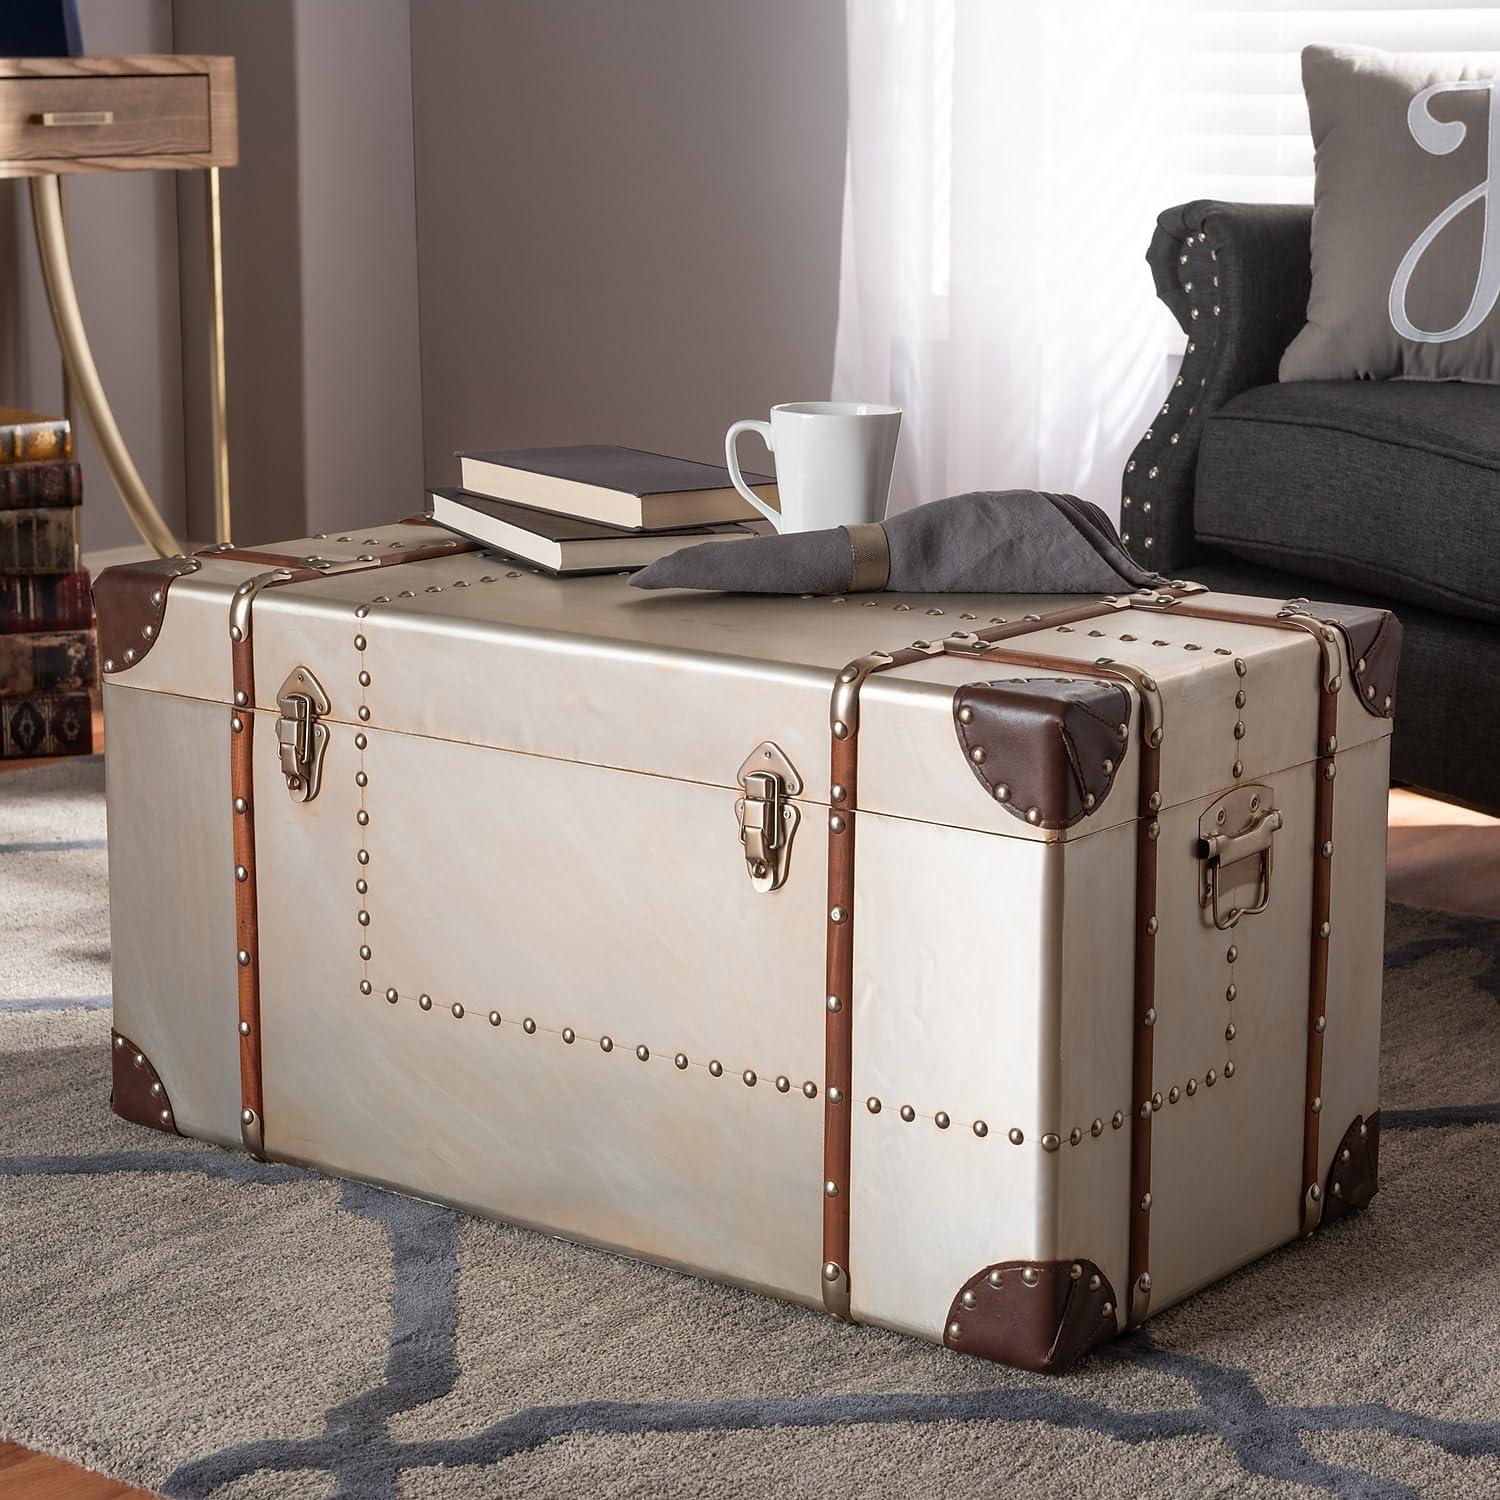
point(628, 217)
point(615, 222)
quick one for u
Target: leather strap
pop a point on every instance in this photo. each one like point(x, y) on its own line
point(872, 558)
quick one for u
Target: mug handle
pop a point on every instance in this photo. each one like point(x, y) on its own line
point(732, 463)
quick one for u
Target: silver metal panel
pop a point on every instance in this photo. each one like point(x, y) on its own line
point(1356, 955)
point(1093, 1052)
point(611, 904)
point(956, 980)
point(171, 900)
point(1226, 1160)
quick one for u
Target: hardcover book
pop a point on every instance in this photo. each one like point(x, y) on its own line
point(56, 482)
point(39, 540)
point(45, 724)
point(28, 436)
point(40, 601)
point(565, 545)
point(621, 487)
point(47, 661)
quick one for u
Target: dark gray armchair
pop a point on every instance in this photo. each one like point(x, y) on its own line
point(1384, 492)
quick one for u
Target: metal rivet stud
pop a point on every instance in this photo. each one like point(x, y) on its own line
point(643, 1052)
point(1210, 1078)
point(425, 1001)
point(830, 1189)
point(835, 1094)
point(458, 1011)
point(359, 643)
point(940, 1119)
point(873, 1105)
point(362, 818)
point(361, 741)
point(1145, 1202)
point(1016, 1136)
point(715, 1068)
point(1173, 1094)
point(606, 1044)
point(1321, 1024)
point(361, 779)
point(1117, 1119)
point(391, 995)
point(1230, 991)
point(679, 1061)
point(529, 1027)
point(981, 1129)
point(834, 1004)
point(838, 915)
point(977, 755)
point(366, 988)
point(1051, 1141)
point(1230, 1032)
point(908, 1113)
point(237, 724)
point(242, 958)
point(244, 1028)
point(1192, 1087)
point(494, 1018)
point(783, 1084)
point(836, 793)
point(363, 918)
point(241, 873)
point(1233, 953)
point(810, 1089)
point(835, 823)
point(1029, 1276)
point(1149, 1019)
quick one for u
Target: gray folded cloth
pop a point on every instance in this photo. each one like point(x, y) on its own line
point(988, 542)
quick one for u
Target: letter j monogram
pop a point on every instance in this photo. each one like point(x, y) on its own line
point(1439, 137)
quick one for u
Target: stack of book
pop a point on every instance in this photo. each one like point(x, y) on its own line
point(595, 508)
point(48, 654)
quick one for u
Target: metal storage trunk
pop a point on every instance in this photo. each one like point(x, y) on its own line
point(1001, 989)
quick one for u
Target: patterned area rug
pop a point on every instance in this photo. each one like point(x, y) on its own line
point(185, 1319)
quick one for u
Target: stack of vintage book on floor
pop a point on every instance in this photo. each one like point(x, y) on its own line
point(48, 657)
point(595, 508)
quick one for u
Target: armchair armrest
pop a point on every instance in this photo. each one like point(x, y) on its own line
point(1236, 277)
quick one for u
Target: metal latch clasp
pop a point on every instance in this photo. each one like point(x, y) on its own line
point(1249, 812)
point(768, 818)
point(299, 736)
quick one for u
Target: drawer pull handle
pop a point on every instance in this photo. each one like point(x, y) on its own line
point(78, 117)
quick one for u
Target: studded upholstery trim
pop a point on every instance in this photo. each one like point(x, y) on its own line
point(138, 1094)
point(1042, 1316)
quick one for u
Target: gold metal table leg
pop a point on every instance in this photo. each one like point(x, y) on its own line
point(216, 360)
point(83, 374)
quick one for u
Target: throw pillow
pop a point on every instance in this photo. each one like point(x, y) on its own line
point(1405, 256)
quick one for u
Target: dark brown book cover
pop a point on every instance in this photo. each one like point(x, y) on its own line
point(45, 601)
point(27, 436)
point(627, 471)
point(46, 724)
point(38, 540)
point(47, 661)
point(56, 483)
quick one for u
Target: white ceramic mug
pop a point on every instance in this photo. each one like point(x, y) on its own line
point(833, 462)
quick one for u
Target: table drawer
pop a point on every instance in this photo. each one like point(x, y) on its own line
point(59, 118)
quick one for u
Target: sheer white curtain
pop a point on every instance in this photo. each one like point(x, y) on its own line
point(1007, 160)
point(1006, 164)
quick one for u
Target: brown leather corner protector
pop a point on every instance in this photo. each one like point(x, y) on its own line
point(131, 601)
point(1046, 748)
point(138, 1094)
point(1372, 638)
point(1042, 1316)
point(1354, 1177)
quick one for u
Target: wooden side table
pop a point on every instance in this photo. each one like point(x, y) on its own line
point(121, 114)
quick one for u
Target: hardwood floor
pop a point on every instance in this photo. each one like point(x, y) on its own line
point(1439, 855)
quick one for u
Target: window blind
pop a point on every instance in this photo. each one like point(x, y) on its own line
point(1239, 106)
